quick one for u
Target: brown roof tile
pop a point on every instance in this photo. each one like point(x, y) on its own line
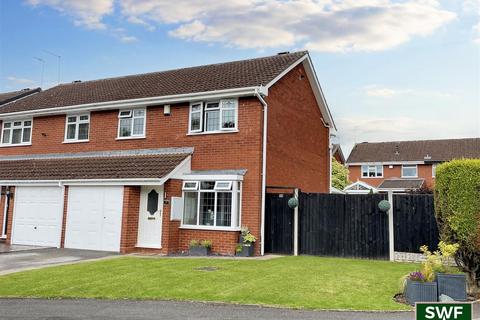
point(401, 184)
point(422, 150)
point(114, 167)
point(230, 75)
point(6, 97)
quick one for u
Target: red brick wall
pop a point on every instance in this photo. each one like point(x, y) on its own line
point(131, 208)
point(171, 233)
point(424, 171)
point(223, 241)
point(64, 218)
point(298, 142)
point(2, 208)
point(10, 215)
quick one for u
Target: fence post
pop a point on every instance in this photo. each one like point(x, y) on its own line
point(391, 236)
point(295, 225)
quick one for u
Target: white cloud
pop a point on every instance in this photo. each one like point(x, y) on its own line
point(383, 92)
point(128, 39)
point(20, 80)
point(322, 25)
point(88, 13)
point(476, 30)
point(388, 92)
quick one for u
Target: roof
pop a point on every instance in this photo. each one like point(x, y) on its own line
point(404, 184)
point(6, 97)
point(214, 77)
point(336, 149)
point(421, 150)
point(111, 166)
point(359, 186)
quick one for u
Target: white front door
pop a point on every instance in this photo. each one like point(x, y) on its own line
point(150, 217)
point(94, 218)
point(37, 217)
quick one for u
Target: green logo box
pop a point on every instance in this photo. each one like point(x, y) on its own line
point(443, 311)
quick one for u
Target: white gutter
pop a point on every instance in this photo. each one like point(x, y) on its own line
point(264, 169)
point(171, 99)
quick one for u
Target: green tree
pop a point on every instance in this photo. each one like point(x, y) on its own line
point(457, 209)
point(339, 175)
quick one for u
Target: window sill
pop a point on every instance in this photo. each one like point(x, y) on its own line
point(416, 177)
point(15, 145)
point(372, 177)
point(211, 132)
point(210, 228)
point(76, 141)
point(130, 138)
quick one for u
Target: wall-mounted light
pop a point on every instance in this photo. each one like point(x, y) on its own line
point(166, 109)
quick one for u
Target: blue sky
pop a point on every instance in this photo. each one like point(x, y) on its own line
point(390, 70)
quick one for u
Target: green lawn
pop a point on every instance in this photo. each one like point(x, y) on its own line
point(300, 282)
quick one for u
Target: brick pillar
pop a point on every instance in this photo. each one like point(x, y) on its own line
point(10, 215)
point(131, 208)
point(64, 218)
point(170, 231)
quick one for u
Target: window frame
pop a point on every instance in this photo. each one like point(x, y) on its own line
point(376, 166)
point(410, 165)
point(236, 205)
point(77, 127)
point(132, 116)
point(203, 118)
point(22, 127)
point(434, 169)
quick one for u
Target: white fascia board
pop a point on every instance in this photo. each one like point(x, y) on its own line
point(131, 103)
point(216, 177)
point(106, 182)
point(386, 163)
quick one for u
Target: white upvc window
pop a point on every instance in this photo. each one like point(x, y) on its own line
point(212, 204)
point(17, 132)
point(372, 171)
point(409, 171)
point(434, 169)
point(131, 123)
point(213, 116)
point(77, 128)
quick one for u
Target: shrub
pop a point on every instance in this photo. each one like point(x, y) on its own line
point(206, 244)
point(194, 243)
point(457, 209)
point(339, 175)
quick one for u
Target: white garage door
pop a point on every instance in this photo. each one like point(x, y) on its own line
point(94, 218)
point(37, 217)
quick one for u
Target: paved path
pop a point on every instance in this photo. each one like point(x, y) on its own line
point(105, 310)
point(40, 258)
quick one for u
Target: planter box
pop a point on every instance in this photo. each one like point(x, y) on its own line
point(452, 285)
point(421, 292)
point(247, 251)
point(199, 251)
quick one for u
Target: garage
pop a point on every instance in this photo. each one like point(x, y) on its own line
point(94, 218)
point(37, 217)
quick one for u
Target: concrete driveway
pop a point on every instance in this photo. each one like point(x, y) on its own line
point(38, 258)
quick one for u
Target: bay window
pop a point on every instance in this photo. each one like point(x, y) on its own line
point(17, 132)
point(211, 204)
point(131, 123)
point(213, 116)
point(372, 171)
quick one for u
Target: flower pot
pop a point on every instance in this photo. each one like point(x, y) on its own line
point(417, 291)
point(452, 285)
point(247, 251)
point(199, 251)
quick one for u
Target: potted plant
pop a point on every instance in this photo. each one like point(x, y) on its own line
point(200, 248)
point(246, 246)
point(451, 282)
point(418, 288)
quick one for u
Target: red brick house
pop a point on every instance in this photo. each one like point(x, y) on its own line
point(405, 165)
point(152, 161)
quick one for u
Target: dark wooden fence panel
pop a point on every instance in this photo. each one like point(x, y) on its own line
point(415, 224)
point(343, 225)
point(278, 224)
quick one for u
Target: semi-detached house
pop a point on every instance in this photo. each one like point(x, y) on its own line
point(152, 161)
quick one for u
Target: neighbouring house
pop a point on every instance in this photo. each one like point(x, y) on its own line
point(152, 161)
point(402, 166)
point(7, 97)
point(359, 187)
point(337, 153)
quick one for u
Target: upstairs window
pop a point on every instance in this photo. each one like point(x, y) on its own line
point(17, 132)
point(409, 171)
point(211, 204)
point(214, 116)
point(131, 123)
point(77, 128)
point(434, 169)
point(372, 171)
